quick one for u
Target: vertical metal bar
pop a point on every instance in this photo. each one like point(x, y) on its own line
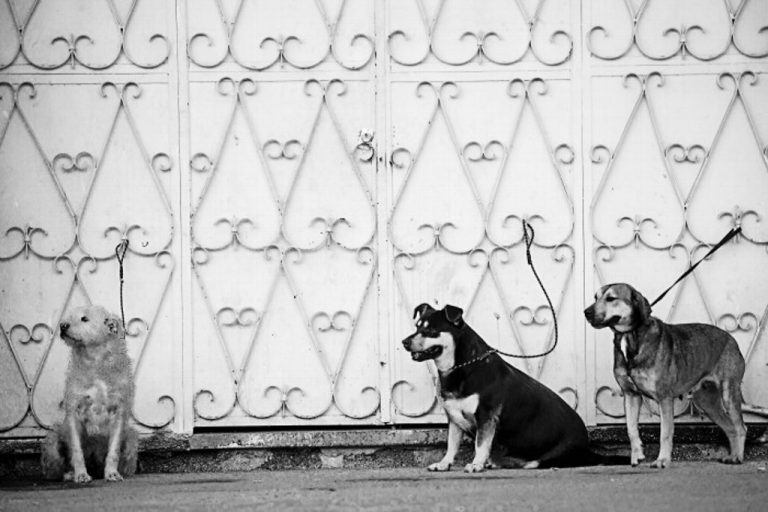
point(385, 298)
point(583, 241)
point(184, 386)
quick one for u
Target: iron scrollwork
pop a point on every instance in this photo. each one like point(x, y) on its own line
point(74, 258)
point(281, 47)
point(486, 249)
point(684, 34)
point(689, 240)
point(73, 43)
point(285, 251)
point(479, 41)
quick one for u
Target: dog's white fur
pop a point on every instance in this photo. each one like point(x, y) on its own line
point(98, 398)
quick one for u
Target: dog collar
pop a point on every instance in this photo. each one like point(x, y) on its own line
point(471, 361)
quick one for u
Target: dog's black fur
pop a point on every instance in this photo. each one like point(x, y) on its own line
point(534, 426)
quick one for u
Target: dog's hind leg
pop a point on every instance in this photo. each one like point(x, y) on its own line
point(666, 407)
point(731, 393)
point(556, 457)
point(711, 399)
point(53, 457)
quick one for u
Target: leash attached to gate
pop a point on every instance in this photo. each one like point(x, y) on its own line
point(732, 233)
point(120, 251)
point(528, 243)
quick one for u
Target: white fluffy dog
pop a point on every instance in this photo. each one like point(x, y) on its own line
point(96, 435)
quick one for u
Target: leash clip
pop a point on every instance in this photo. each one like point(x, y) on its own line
point(528, 241)
point(120, 250)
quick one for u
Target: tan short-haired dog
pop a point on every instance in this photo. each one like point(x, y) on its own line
point(663, 361)
point(95, 436)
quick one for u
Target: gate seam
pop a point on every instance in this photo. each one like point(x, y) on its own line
point(384, 296)
point(580, 79)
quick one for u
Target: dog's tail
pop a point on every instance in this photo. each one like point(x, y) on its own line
point(587, 457)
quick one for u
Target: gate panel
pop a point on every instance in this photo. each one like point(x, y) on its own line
point(481, 140)
point(88, 157)
point(284, 220)
point(677, 142)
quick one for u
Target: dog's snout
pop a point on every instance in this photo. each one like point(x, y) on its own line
point(589, 313)
point(64, 326)
point(407, 343)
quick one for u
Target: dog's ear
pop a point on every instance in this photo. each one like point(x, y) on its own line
point(640, 307)
point(113, 324)
point(453, 315)
point(421, 309)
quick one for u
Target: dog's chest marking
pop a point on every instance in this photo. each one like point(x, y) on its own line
point(623, 346)
point(461, 411)
point(94, 408)
point(643, 378)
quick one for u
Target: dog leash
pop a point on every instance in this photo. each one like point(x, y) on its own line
point(120, 251)
point(528, 243)
point(732, 233)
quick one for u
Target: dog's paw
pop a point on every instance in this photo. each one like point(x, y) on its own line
point(82, 477)
point(439, 466)
point(661, 463)
point(534, 464)
point(113, 476)
point(636, 459)
point(730, 459)
point(473, 467)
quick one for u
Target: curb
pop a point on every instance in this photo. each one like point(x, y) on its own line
point(165, 452)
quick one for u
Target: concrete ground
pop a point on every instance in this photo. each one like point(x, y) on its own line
point(699, 486)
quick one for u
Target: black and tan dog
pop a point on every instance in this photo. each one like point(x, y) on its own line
point(503, 407)
point(663, 361)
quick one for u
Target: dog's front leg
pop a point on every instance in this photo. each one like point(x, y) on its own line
point(632, 402)
point(76, 458)
point(486, 430)
point(454, 440)
point(113, 453)
point(667, 410)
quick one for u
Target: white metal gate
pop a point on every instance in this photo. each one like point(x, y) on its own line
point(295, 176)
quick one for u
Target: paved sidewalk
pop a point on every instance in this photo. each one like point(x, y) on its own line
point(699, 486)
